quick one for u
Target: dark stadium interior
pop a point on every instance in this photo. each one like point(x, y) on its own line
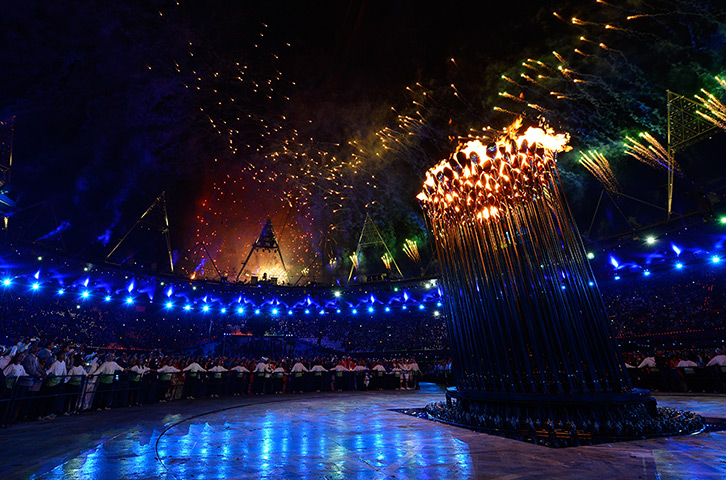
point(226, 244)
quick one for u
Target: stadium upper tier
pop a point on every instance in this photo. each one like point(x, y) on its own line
point(25, 270)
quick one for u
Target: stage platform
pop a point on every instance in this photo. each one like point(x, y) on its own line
point(332, 436)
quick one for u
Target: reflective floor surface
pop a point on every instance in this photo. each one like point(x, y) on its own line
point(332, 436)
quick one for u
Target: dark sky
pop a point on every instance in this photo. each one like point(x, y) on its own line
point(115, 102)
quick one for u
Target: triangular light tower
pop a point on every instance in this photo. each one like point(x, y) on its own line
point(154, 219)
point(265, 244)
point(371, 237)
point(685, 127)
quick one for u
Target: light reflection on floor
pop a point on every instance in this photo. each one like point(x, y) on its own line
point(332, 436)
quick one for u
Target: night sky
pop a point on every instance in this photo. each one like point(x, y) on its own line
point(313, 113)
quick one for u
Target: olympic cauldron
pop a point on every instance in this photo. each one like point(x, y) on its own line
point(533, 352)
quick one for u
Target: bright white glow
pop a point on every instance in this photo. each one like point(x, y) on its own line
point(614, 262)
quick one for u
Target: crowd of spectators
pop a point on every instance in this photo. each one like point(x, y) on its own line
point(72, 320)
point(413, 330)
point(676, 358)
point(40, 380)
point(671, 301)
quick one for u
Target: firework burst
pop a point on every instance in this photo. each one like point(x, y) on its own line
point(651, 152)
point(599, 167)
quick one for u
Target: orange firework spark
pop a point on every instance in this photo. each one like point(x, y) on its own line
point(716, 109)
point(651, 152)
point(599, 167)
point(410, 248)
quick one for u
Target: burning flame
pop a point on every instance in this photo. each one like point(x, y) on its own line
point(479, 182)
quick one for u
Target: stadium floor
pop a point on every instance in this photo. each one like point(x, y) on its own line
point(331, 436)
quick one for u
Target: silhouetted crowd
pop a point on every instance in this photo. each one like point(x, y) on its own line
point(43, 380)
point(679, 301)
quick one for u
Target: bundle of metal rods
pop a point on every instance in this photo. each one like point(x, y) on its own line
point(524, 314)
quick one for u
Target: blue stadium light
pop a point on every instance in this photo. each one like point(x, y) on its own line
point(224, 310)
point(617, 277)
point(337, 310)
point(107, 298)
point(257, 311)
point(614, 262)
point(322, 312)
point(35, 286)
point(61, 291)
point(7, 282)
point(715, 259)
point(240, 310)
point(592, 284)
point(129, 300)
point(85, 294)
point(187, 308)
point(355, 311)
point(388, 309)
point(274, 311)
point(563, 287)
point(169, 304)
point(679, 265)
point(307, 311)
point(405, 307)
point(646, 273)
point(421, 307)
point(205, 308)
point(289, 312)
point(370, 309)
point(438, 304)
